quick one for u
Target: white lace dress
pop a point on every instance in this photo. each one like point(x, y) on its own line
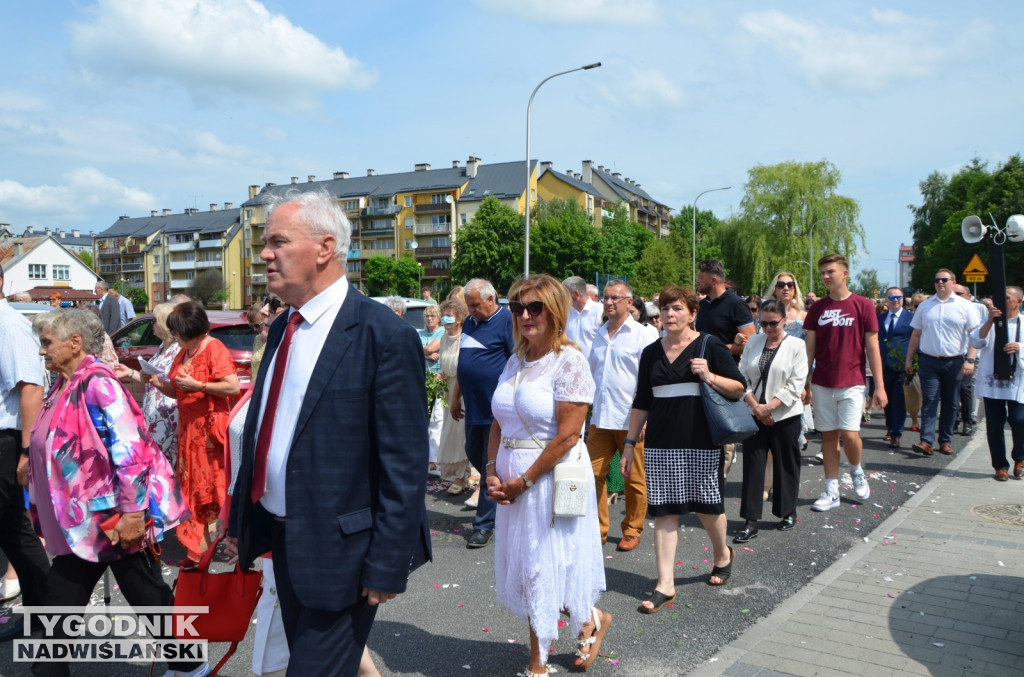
point(543, 567)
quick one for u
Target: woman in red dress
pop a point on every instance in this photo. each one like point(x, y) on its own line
point(202, 378)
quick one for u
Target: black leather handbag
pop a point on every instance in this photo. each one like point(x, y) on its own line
point(729, 421)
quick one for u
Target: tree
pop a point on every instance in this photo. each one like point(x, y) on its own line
point(490, 246)
point(621, 244)
point(386, 276)
point(138, 297)
point(867, 283)
point(659, 266)
point(781, 205)
point(709, 237)
point(85, 257)
point(563, 242)
point(208, 288)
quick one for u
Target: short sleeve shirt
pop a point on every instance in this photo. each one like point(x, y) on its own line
point(723, 317)
point(944, 325)
point(839, 328)
point(19, 363)
point(484, 348)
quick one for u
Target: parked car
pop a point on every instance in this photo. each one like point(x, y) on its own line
point(137, 340)
point(30, 310)
point(413, 310)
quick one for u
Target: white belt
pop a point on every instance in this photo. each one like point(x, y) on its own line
point(677, 390)
point(512, 443)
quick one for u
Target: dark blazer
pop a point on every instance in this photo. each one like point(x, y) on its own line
point(110, 314)
point(900, 337)
point(357, 467)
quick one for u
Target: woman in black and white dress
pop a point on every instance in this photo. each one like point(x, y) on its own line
point(684, 467)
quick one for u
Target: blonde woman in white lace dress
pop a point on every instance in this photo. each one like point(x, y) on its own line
point(544, 566)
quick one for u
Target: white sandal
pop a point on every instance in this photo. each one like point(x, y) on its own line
point(548, 670)
point(594, 641)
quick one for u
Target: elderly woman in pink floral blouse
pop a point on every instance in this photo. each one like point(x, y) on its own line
point(102, 494)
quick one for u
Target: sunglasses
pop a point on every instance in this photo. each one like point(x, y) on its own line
point(534, 308)
point(941, 280)
point(895, 298)
point(753, 309)
point(785, 285)
point(258, 326)
point(273, 302)
point(766, 324)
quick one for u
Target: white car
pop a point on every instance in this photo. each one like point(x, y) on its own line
point(413, 309)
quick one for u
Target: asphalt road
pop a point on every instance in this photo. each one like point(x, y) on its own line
point(449, 623)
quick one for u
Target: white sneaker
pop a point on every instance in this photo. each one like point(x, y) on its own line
point(860, 486)
point(826, 502)
point(10, 588)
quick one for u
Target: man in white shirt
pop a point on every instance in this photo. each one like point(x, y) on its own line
point(941, 325)
point(615, 362)
point(584, 315)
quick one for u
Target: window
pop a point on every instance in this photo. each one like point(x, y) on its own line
point(156, 259)
point(189, 274)
point(156, 278)
point(438, 198)
point(157, 295)
point(351, 205)
point(37, 271)
point(381, 244)
point(463, 218)
point(439, 264)
point(408, 243)
point(440, 242)
point(408, 200)
point(248, 215)
point(190, 256)
point(441, 222)
point(62, 273)
point(409, 221)
point(355, 266)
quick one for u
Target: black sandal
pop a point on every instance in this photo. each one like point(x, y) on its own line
point(657, 599)
point(723, 573)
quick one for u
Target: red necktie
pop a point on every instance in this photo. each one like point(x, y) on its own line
point(259, 473)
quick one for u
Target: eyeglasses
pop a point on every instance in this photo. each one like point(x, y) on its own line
point(534, 308)
point(965, 294)
point(895, 298)
point(273, 302)
point(258, 326)
point(941, 280)
point(766, 324)
point(616, 299)
point(785, 285)
point(753, 309)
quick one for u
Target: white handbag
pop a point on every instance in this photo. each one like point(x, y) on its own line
point(569, 495)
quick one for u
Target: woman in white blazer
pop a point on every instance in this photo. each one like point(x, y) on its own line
point(775, 366)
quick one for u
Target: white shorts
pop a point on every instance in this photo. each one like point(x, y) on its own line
point(837, 408)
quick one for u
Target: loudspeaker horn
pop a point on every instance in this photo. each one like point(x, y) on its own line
point(1015, 228)
point(972, 229)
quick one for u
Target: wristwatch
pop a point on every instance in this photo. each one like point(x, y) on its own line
point(526, 481)
point(972, 360)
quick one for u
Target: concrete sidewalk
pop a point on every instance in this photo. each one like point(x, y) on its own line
point(937, 589)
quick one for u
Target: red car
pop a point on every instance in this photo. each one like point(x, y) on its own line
point(137, 340)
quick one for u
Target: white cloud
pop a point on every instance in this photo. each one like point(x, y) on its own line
point(12, 100)
point(83, 188)
point(213, 47)
point(643, 89)
point(886, 47)
point(576, 11)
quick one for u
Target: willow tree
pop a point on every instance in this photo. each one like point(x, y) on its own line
point(783, 207)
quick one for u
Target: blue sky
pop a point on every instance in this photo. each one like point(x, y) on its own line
point(123, 106)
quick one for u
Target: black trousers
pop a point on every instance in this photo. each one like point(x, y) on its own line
point(18, 539)
point(783, 439)
point(320, 642)
point(72, 580)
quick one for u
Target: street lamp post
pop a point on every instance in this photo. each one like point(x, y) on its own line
point(810, 274)
point(810, 235)
point(896, 269)
point(529, 105)
point(693, 270)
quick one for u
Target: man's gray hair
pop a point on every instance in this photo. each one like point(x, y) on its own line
point(575, 284)
point(321, 215)
point(482, 287)
point(1016, 291)
point(620, 283)
point(396, 304)
point(102, 284)
point(591, 289)
point(66, 322)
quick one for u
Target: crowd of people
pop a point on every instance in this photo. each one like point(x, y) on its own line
point(320, 471)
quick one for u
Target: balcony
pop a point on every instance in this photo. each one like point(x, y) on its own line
point(378, 232)
point(259, 278)
point(433, 228)
point(433, 273)
point(353, 253)
point(216, 263)
point(380, 210)
point(182, 265)
point(369, 253)
point(132, 267)
point(110, 269)
point(180, 284)
point(433, 252)
point(210, 244)
point(133, 249)
point(110, 252)
point(181, 246)
point(434, 208)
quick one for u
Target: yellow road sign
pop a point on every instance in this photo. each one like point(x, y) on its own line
point(975, 267)
point(974, 278)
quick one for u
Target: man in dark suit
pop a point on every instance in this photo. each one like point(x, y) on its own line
point(894, 338)
point(110, 310)
point(333, 473)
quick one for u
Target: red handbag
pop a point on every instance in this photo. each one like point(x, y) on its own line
point(230, 596)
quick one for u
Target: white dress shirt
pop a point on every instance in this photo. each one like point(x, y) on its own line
point(944, 325)
point(582, 325)
point(614, 364)
point(986, 384)
point(318, 315)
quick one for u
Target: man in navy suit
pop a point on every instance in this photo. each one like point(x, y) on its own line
point(333, 472)
point(894, 338)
